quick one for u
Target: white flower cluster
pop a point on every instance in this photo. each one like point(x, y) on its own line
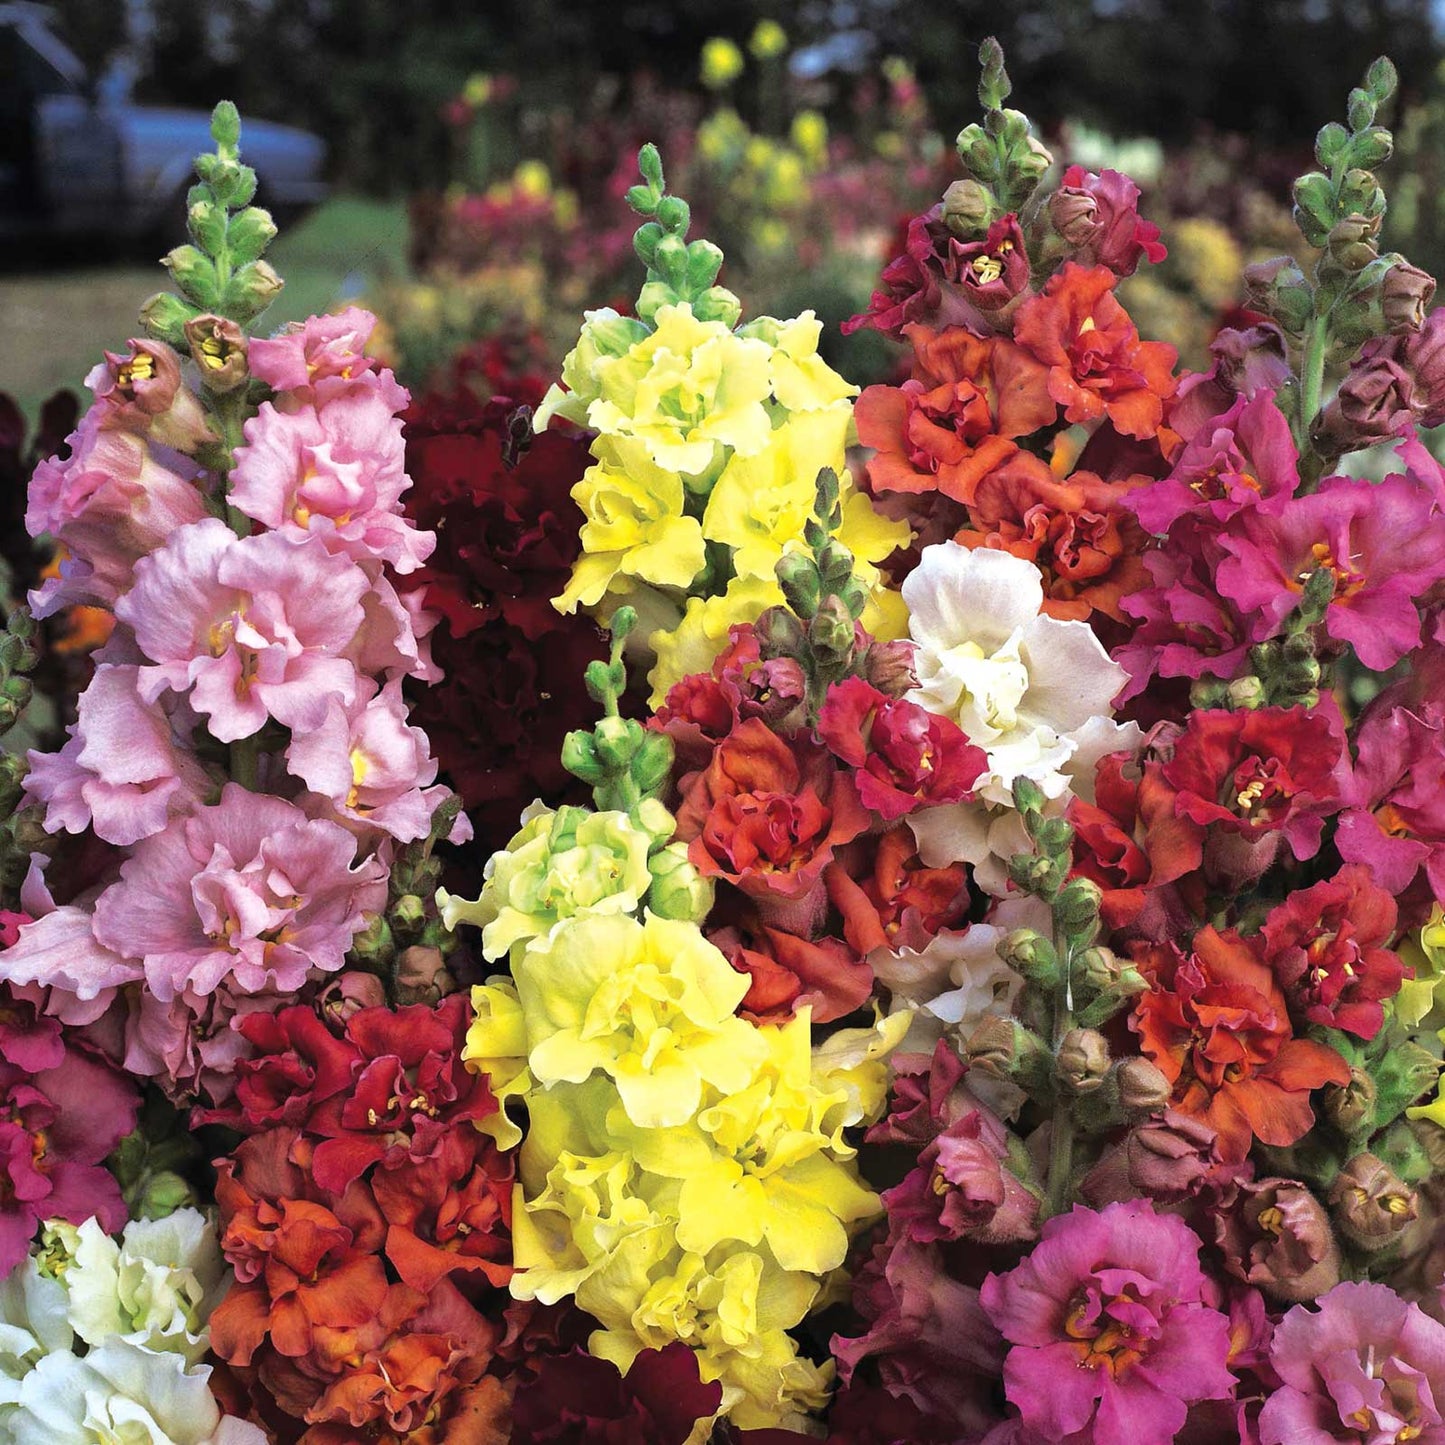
point(101, 1339)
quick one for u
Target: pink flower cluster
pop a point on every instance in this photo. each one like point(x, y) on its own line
point(242, 752)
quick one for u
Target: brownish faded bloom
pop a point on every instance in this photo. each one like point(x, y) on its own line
point(1373, 1207)
point(1277, 1236)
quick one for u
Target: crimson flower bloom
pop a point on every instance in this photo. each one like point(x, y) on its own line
point(903, 756)
point(1326, 946)
point(1217, 1025)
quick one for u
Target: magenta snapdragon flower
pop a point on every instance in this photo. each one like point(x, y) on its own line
point(1383, 543)
point(1362, 1366)
point(1111, 1338)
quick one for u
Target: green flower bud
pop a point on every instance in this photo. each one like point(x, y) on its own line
point(164, 317)
point(249, 233)
point(780, 634)
point(674, 215)
point(644, 242)
point(407, 914)
point(678, 890)
point(1029, 953)
point(717, 303)
point(374, 946)
point(1077, 908)
point(579, 757)
point(617, 740)
point(653, 762)
point(195, 275)
point(968, 209)
point(1246, 693)
point(160, 1194)
point(226, 125)
point(704, 261)
point(831, 632)
point(206, 222)
point(251, 290)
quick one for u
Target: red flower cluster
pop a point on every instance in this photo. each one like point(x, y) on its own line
point(367, 1222)
point(507, 531)
point(792, 819)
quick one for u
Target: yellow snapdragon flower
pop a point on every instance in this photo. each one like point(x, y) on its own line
point(1424, 995)
point(686, 391)
point(636, 527)
point(649, 1004)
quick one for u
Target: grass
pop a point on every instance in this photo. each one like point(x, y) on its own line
point(55, 323)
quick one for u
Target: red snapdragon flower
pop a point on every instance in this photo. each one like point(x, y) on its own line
point(1075, 530)
point(1326, 946)
point(889, 899)
point(903, 756)
point(958, 415)
point(1217, 1024)
point(1255, 773)
point(767, 814)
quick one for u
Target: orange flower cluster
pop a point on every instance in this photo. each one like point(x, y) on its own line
point(978, 442)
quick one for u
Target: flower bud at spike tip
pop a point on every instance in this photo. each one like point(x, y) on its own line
point(226, 125)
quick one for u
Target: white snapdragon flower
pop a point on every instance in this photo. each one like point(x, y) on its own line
point(155, 1286)
point(32, 1324)
point(1021, 684)
point(1034, 692)
point(121, 1394)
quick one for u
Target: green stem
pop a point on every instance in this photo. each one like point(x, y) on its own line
point(1061, 1133)
point(245, 757)
point(1312, 376)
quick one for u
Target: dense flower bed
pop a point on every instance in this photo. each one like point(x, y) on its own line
point(981, 988)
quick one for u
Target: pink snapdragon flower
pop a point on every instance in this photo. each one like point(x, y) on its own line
point(1363, 1366)
point(1383, 542)
point(372, 766)
point(143, 391)
point(56, 1125)
point(321, 358)
point(1243, 458)
point(248, 628)
point(116, 499)
point(123, 772)
point(1111, 1337)
point(1394, 816)
point(336, 471)
point(250, 891)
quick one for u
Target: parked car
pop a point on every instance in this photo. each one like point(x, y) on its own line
point(78, 155)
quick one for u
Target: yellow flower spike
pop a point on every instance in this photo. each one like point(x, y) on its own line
point(762, 503)
point(721, 62)
point(702, 633)
point(496, 1046)
point(651, 1004)
point(686, 390)
point(636, 528)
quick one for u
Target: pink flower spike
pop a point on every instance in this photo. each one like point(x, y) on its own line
point(336, 471)
point(369, 763)
point(247, 627)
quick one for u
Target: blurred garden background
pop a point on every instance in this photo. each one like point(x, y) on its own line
point(478, 151)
